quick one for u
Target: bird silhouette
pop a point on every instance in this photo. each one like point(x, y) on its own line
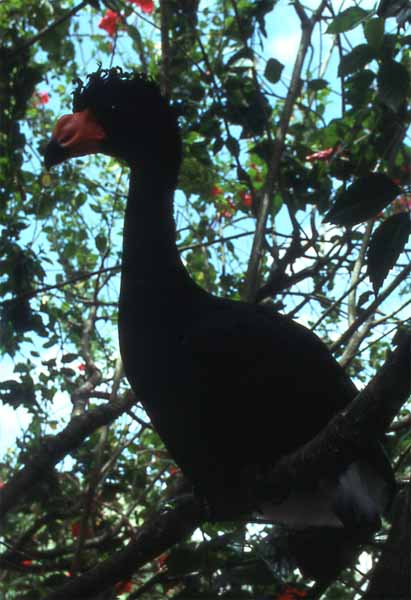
point(230, 387)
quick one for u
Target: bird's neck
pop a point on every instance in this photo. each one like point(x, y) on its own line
point(150, 255)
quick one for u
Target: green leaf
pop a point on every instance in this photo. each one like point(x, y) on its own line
point(347, 19)
point(386, 245)
point(67, 372)
point(273, 70)
point(356, 59)
point(70, 250)
point(364, 199)
point(393, 84)
point(101, 242)
point(66, 358)
point(16, 393)
point(317, 84)
point(374, 32)
point(359, 87)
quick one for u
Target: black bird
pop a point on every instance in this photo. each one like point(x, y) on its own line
point(229, 386)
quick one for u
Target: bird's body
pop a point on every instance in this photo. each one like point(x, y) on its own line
point(230, 387)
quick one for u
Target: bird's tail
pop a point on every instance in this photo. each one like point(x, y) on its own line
point(328, 525)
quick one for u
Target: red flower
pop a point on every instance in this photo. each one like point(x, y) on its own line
point(161, 560)
point(146, 6)
point(123, 587)
point(247, 199)
point(173, 471)
point(43, 97)
point(216, 191)
point(291, 593)
point(227, 212)
point(110, 22)
point(321, 155)
point(81, 367)
point(75, 529)
point(26, 563)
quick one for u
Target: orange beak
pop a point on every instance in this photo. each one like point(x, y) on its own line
point(74, 135)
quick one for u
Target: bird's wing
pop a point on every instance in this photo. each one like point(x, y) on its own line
point(262, 386)
point(266, 374)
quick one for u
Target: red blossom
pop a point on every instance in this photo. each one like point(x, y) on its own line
point(161, 560)
point(110, 22)
point(403, 202)
point(292, 593)
point(227, 212)
point(81, 367)
point(75, 529)
point(321, 155)
point(43, 97)
point(216, 191)
point(174, 471)
point(147, 6)
point(26, 563)
point(122, 587)
point(247, 199)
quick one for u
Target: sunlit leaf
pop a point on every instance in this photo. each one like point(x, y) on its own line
point(347, 19)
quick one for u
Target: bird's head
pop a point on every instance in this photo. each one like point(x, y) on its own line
point(119, 114)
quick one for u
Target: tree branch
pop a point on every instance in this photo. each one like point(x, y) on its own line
point(278, 147)
point(392, 575)
point(54, 449)
point(165, 529)
point(367, 312)
point(30, 42)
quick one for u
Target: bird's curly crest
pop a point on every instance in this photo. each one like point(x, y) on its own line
point(106, 88)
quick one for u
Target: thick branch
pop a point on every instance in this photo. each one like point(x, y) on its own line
point(54, 449)
point(165, 529)
point(392, 575)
